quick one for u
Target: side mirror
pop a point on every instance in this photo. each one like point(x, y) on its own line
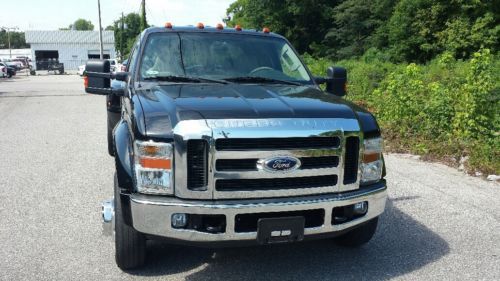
point(336, 82)
point(97, 77)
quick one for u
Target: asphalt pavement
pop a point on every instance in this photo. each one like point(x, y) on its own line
point(439, 224)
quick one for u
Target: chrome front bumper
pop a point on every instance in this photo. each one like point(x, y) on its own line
point(152, 214)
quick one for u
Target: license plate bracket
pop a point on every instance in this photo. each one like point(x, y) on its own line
point(280, 230)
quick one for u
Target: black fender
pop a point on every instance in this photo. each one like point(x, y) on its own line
point(123, 146)
point(368, 124)
point(370, 129)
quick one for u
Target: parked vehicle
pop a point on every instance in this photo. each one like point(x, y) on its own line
point(234, 142)
point(55, 66)
point(23, 60)
point(123, 65)
point(81, 70)
point(3, 71)
point(11, 71)
point(17, 65)
point(114, 64)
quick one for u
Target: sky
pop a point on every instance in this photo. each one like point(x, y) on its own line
point(54, 14)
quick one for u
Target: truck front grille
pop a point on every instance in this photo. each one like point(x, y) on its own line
point(197, 154)
point(223, 159)
point(351, 160)
point(275, 183)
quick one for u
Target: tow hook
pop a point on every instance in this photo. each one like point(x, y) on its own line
point(108, 217)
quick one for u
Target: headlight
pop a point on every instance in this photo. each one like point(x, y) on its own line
point(372, 166)
point(153, 167)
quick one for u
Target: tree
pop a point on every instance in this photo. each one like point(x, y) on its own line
point(402, 30)
point(418, 30)
point(81, 24)
point(355, 23)
point(17, 40)
point(304, 23)
point(125, 37)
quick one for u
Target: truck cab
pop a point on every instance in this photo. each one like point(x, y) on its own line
point(223, 137)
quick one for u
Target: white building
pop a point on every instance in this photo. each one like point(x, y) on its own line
point(71, 47)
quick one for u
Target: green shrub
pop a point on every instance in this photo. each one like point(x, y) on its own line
point(363, 76)
point(446, 108)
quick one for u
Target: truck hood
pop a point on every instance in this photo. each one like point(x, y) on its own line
point(166, 105)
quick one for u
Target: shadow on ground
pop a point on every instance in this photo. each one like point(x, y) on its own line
point(401, 245)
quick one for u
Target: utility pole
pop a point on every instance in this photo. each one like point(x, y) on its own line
point(8, 38)
point(101, 52)
point(121, 38)
point(144, 23)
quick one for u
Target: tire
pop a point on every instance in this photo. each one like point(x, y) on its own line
point(111, 150)
point(358, 236)
point(130, 245)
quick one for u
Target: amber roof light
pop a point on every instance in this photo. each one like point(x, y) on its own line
point(168, 25)
point(200, 25)
point(266, 30)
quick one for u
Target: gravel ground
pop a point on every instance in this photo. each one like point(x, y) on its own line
point(54, 172)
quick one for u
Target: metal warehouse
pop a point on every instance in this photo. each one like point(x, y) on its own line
point(70, 47)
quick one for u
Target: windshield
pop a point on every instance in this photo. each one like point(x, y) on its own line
point(221, 56)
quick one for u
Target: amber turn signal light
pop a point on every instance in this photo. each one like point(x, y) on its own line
point(155, 163)
point(371, 157)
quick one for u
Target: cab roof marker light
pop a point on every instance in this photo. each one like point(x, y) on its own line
point(237, 27)
point(168, 25)
point(220, 26)
point(200, 25)
point(266, 30)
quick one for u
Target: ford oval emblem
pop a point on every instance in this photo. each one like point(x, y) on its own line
point(280, 164)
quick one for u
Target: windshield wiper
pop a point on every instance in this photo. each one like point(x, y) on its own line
point(211, 80)
point(259, 79)
point(172, 78)
point(187, 79)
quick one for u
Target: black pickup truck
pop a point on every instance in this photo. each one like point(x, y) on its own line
point(222, 136)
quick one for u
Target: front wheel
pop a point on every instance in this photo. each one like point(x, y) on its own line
point(111, 150)
point(110, 125)
point(358, 236)
point(130, 245)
